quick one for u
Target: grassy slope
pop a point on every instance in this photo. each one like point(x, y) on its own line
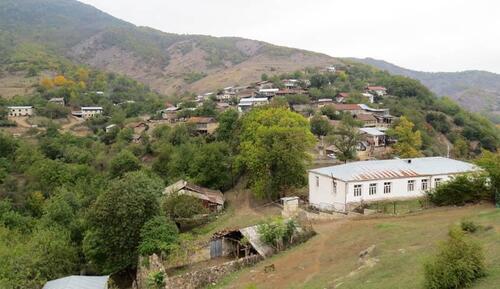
point(402, 244)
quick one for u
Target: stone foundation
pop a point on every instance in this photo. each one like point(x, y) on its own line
point(204, 277)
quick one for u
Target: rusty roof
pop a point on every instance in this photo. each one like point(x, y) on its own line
point(395, 168)
point(346, 106)
point(212, 196)
point(201, 119)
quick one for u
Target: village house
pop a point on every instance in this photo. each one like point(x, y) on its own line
point(331, 69)
point(78, 282)
point(204, 125)
point(87, 112)
point(110, 128)
point(247, 103)
point(373, 136)
point(341, 96)
point(291, 83)
point(377, 90)
point(15, 111)
point(343, 187)
point(353, 109)
point(290, 91)
point(212, 199)
point(370, 96)
point(368, 120)
point(323, 101)
point(57, 100)
point(267, 92)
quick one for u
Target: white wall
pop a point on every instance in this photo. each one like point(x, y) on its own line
point(324, 197)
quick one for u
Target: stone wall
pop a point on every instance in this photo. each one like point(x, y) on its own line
point(207, 276)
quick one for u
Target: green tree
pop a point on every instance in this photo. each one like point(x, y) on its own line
point(274, 144)
point(490, 162)
point(409, 141)
point(158, 235)
point(179, 206)
point(212, 166)
point(228, 122)
point(116, 219)
point(458, 263)
point(320, 126)
point(125, 161)
point(345, 137)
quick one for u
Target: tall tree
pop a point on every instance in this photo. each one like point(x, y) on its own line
point(345, 138)
point(320, 126)
point(274, 144)
point(116, 218)
point(409, 141)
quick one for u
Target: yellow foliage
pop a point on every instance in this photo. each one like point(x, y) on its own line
point(83, 74)
point(82, 85)
point(47, 83)
point(409, 141)
point(60, 80)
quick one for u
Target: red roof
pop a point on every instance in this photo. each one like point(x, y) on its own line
point(346, 106)
point(201, 119)
point(343, 94)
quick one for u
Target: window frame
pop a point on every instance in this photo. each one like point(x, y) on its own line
point(317, 181)
point(387, 187)
point(358, 190)
point(372, 189)
point(410, 186)
point(426, 182)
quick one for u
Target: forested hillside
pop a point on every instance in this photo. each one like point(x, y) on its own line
point(478, 91)
point(169, 63)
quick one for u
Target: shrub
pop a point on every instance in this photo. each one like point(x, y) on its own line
point(183, 206)
point(277, 232)
point(461, 190)
point(158, 235)
point(469, 226)
point(156, 280)
point(458, 263)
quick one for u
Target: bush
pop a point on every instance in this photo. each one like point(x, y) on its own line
point(461, 190)
point(156, 280)
point(158, 235)
point(469, 226)
point(277, 232)
point(458, 263)
point(183, 206)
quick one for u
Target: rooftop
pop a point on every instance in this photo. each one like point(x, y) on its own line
point(201, 119)
point(372, 131)
point(78, 282)
point(346, 106)
point(396, 168)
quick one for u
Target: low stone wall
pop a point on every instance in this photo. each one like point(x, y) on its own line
point(207, 276)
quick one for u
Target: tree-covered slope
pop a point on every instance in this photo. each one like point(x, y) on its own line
point(165, 61)
point(475, 90)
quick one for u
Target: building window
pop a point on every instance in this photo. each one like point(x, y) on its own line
point(411, 185)
point(357, 190)
point(387, 187)
point(334, 185)
point(317, 181)
point(437, 182)
point(425, 185)
point(372, 189)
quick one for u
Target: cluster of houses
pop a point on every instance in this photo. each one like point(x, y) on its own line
point(85, 112)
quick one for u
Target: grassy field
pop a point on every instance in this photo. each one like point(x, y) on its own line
point(402, 244)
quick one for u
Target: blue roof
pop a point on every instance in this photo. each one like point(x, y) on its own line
point(396, 168)
point(78, 282)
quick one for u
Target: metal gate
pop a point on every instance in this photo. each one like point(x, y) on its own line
point(216, 248)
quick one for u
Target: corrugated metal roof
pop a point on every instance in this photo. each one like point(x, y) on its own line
point(396, 168)
point(371, 131)
point(78, 282)
point(253, 236)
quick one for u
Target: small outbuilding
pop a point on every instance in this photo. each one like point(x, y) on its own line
point(78, 282)
point(212, 199)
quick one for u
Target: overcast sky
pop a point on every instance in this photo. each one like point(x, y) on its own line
point(428, 35)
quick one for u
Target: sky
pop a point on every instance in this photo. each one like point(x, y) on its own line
point(426, 35)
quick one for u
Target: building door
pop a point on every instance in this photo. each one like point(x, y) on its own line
point(216, 248)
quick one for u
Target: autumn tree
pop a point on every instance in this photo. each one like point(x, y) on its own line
point(273, 144)
point(409, 141)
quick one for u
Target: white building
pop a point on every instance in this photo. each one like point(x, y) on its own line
point(91, 111)
point(268, 92)
point(20, 110)
point(339, 188)
point(249, 102)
